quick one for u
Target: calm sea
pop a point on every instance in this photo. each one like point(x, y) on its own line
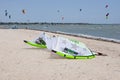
point(107, 31)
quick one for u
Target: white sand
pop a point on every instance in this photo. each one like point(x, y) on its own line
point(19, 61)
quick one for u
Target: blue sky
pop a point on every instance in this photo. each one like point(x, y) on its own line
point(93, 11)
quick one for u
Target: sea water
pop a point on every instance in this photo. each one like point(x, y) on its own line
point(108, 31)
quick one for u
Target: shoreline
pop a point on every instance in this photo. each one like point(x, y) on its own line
point(83, 36)
point(64, 33)
point(53, 23)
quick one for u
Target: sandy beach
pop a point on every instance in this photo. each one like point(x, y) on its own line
point(19, 61)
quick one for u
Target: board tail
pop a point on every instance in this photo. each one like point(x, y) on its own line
point(25, 41)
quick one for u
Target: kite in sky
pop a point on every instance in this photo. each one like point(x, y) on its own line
point(9, 16)
point(107, 15)
point(23, 11)
point(106, 6)
point(6, 13)
point(62, 18)
point(80, 9)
